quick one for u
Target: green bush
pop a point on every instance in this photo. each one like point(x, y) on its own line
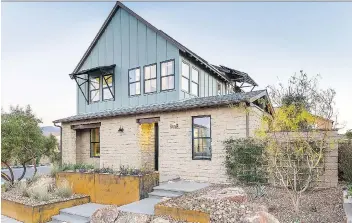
point(345, 161)
point(245, 160)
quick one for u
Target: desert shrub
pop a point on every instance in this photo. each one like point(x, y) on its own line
point(54, 170)
point(40, 193)
point(22, 188)
point(33, 179)
point(345, 161)
point(6, 186)
point(82, 166)
point(245, 160)
point(64, 189)
point(68, 166)
point(104, 170)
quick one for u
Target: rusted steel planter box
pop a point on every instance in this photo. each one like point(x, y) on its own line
point(38, 213)
point(182, 214)
point(110, 188)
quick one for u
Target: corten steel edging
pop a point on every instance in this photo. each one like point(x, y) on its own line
point(110, 188)
point(182, 214)
point(37, 213)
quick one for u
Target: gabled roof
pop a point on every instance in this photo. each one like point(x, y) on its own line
point(199, 102)
point(161, 33)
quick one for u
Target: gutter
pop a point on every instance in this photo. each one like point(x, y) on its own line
point(60, 147)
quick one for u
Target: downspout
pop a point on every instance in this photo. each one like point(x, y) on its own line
point(247, 122)
point(60, 147)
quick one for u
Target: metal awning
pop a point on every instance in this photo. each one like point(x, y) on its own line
point(95, 70)
point(238, 76)
point(81, 75)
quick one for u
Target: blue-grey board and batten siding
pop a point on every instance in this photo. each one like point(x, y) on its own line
point(129, 43)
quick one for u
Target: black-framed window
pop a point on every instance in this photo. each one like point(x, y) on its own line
point(95, 142)
point(167, 76)
point(101, 85)
point(108, 87)
point(134, 81)
point(94, 88)
point(195, 81)
point(185, 77)
point(201, 137)
point(150, 78)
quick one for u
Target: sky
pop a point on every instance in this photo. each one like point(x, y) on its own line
point(42, 42)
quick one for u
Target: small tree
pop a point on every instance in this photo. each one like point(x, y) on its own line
point(22, 140)
point(295, 146)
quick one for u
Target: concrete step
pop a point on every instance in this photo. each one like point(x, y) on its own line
point(164, 193)
point(68, 218)
point(84, 210)
point(144, 206)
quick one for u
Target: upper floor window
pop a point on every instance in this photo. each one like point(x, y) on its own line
point(108, 88)
point(95, 142)
point(185, 76)
point(195, 81)
point(102, 84)
point(134, 81)
point(94, 89)
point(201, 137)
point(167, 75)
point(150, 78)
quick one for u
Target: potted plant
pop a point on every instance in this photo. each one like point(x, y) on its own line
point(347, 202)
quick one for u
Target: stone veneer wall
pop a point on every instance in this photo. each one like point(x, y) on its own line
point(175, 144)
point(83, 148)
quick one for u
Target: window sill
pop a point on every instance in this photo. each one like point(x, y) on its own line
point(134, 96)
point(112, 99)
point(201, 158)
point(168, 90)
point(95, 157)
point(149, 93)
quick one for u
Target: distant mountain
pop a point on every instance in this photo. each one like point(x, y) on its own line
point(47, 130)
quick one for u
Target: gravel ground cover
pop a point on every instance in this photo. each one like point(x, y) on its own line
point(317, 206)
point(17, 193)
point(16, 196)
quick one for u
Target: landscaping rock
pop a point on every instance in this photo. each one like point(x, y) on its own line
point(128, 217)
point(105, 215)
point(260, 217)
point(160, 220)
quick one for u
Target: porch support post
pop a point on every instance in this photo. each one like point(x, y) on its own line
point(69, 144)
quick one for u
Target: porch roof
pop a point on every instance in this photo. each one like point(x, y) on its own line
point(199, 102)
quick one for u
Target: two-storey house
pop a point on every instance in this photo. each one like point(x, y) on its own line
point(146, 101)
